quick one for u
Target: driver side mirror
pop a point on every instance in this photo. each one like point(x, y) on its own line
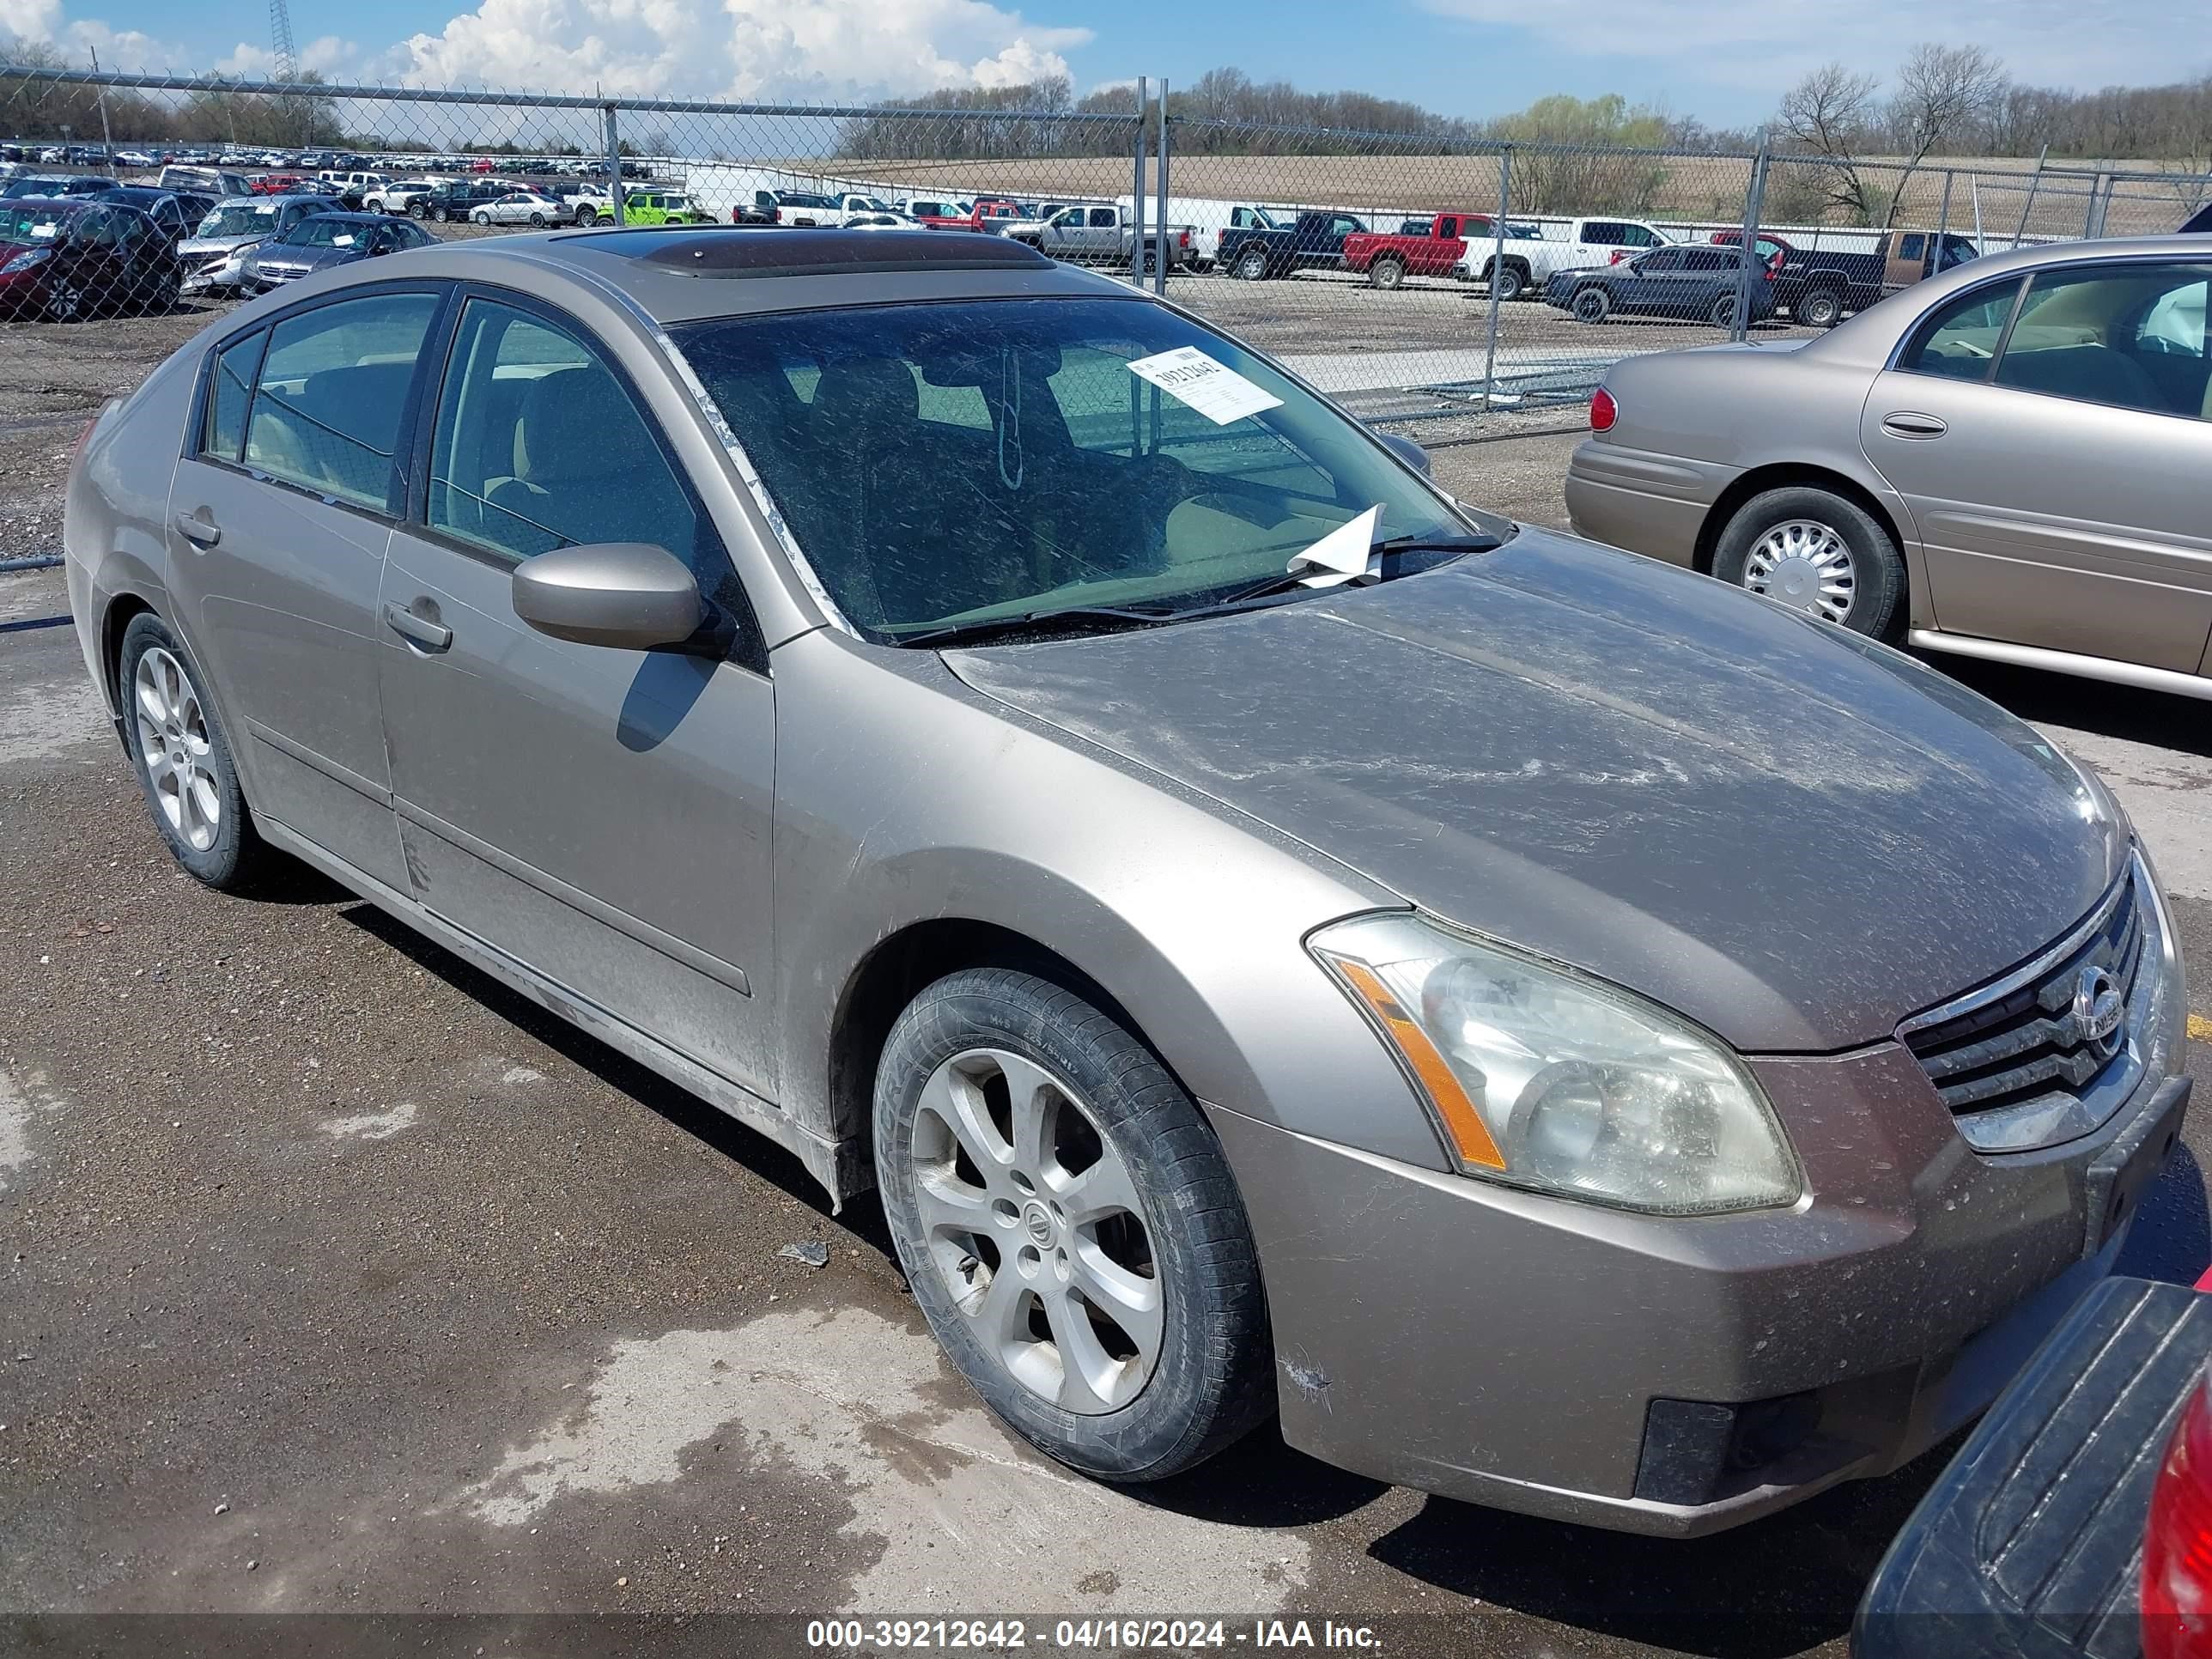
point(625, 595)
point(1406, 451)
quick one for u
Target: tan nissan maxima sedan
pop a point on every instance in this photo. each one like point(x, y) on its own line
point(2009, 461)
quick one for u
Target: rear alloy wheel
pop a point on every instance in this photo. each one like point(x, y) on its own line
point(1823, 307)
point(538, 221)
point(1722, 313)
point(1386, 273)
point(1252, 265)
point(586, 216)
point(183, 761)
point(1819, 553)
point(1069, 1227)
point(1509, 283)
point(1593, 305)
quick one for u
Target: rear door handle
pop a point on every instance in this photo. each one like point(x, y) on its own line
point(1909, 423)
point(436, 636)
point(198, 531)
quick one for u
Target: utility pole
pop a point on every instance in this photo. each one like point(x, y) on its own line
point(107, 143)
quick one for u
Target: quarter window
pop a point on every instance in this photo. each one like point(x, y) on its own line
point(230, 388)
point(328, 402)
point(538, 445)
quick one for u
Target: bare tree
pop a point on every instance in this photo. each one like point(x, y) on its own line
point(1944, 92)
point(1830, 113)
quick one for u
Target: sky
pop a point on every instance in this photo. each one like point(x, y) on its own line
point(1725, 64)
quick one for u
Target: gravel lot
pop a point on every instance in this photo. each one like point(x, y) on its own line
point(339, 1280)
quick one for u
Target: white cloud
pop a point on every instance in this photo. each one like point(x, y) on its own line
point(742, 49)
point(2066, 42)
point(739, 49)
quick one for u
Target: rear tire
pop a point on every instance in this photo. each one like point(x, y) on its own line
point(1593, 305)
point(538, 222)
point(1130, 1342)
point(1386, 273)
point(1510, 283)
point(1822, 308)
point(1251, 265)
point(1798, 544)
point(184, 761)
point(1723, 312)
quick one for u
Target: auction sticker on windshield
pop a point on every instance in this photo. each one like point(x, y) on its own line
point(1214, 390)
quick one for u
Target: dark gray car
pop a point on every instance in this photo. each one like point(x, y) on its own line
point(327, 240)
point(1276, 938)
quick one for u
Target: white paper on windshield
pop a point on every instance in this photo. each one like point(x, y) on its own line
point(341, 242)
point(1214, 390)
point(43, 232)
point(265, 206)
point(1342, 555)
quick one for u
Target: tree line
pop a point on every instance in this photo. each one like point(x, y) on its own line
point(1941, 100)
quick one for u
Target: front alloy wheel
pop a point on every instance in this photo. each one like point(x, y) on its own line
point(1036, 1230)
point(1069, 1226)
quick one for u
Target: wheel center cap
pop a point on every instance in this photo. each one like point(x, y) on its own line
point(1036, 1221)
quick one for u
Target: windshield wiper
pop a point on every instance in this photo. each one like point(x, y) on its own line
point(1291, 581)
point(1090, 618)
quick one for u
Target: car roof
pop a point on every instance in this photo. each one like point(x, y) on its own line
point(356, 218)
point(677, 275)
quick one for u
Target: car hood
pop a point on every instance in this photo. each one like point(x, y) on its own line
point(300, 258)
point(221, 244)
point(1791, 835)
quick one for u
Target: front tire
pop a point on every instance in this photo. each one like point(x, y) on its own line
point(67, 301)
point(1819, 553)
point(1593, 305)
point(1251, 265)
point(1823, 307)
point(184, 761)
point(1070, 1227)
point(484, 219)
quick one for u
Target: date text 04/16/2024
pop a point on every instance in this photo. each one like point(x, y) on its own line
point(1006, 1635)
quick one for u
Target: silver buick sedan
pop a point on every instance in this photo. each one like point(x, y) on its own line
point(1277, 938)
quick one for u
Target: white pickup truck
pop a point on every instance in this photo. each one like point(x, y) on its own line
point(1103, 236)
point(1565, 245)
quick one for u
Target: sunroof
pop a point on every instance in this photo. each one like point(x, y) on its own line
point(769, 250)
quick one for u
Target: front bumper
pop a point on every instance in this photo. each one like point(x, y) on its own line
point(1593, 1366)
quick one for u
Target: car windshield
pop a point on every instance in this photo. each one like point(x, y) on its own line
point(39, 223)
point(985, 462)
point(241, 219)
point(324, 230)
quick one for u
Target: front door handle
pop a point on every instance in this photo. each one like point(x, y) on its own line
point(198, 529)
point(435, 637)
point(1911, 423)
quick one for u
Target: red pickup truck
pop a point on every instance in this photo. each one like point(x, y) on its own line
point(1418, 247)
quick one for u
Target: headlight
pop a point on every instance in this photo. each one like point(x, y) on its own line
point(27, 259)
point(1543, 1079)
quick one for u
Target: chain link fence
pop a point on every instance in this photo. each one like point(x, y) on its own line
point(1411, 279)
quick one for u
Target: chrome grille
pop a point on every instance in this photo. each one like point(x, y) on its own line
point(2016, 1060)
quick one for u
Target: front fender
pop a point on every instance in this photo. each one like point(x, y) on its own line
point(905, 797)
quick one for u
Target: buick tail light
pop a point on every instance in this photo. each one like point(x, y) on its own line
point(1603, 411)
point(2176, 1568)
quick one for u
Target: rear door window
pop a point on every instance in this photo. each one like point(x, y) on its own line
point(1959, 342)
point(331, 393)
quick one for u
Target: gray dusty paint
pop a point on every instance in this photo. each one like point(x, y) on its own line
point(1789, 836)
